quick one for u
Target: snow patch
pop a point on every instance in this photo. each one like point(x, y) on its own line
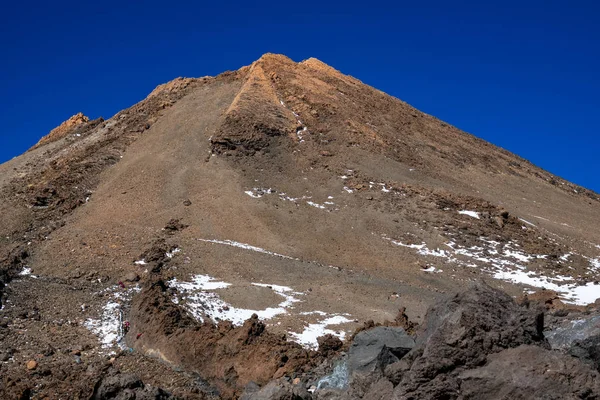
point(172, 253)
point(197, 296)
point(310, 203)
point(257, 193)
point(308, 337)
point(201, 303)
point(246, 247)
point(473, 214)
point(110, 326)
point(505, 261)
point(26, 271)
point(527, 222)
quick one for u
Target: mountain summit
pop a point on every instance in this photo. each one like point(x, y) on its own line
point(224, 225)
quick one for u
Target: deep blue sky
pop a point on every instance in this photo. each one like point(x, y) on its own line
point(522, 75)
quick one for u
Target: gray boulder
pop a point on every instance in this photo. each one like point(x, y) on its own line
point(127, 387)
point(588, 351)
point(569, 331)
point(281, 389)
point(459, 333)
point(530, 372)
point(376, 348)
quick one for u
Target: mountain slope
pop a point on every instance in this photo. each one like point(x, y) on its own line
point(286, 189)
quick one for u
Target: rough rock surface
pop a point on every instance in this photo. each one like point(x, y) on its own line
point(127, 387)
point(279, 389)
point(378, 347)
point(460, 333)
point(588, 351)
point(229, 357)
point(530, 372)
point(63, 129)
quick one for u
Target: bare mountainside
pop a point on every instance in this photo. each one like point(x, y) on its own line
point(204, 238)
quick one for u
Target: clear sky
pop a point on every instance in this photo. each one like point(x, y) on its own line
point(523, 75)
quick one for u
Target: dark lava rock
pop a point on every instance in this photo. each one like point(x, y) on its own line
point(378, 347)
point(530, 372)
point(281, 389)
point(459, 333)
point(381, 390)
point(588, 351)
point(174, 225)
point(127, 386)
point(329, 344)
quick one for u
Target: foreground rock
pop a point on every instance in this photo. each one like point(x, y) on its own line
point(478, 344)
point(530, 372)
point(588, 351)
point(378, 347)
point(127, 386)
point(459, 334)
point(280, 389)
point(229, 357)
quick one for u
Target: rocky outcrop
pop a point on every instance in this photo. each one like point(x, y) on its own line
point(588, 351)
point(256, 116)
point(476, 344)
point(530, 372)
point(229, 357)
point(378, 347)
point(63, 129)
point(460, 333)
point(127, 386)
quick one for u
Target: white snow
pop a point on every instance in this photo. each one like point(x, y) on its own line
point(565, 257)
point(198, 298)
point(432, 269)
point(542, 218)
point(383, 188)
point(260, 192)
point(301, 132)
point(527, 222)
point(109, 326)
point(308, 337)
point(257, 193)
point(310, 203)
point(246, 247)
point(586, 294)
point(201, 303)
point(580, 295)
point(172, 253)
point(25, 271)
point(251, 194)
point(347, 189)
point(199, 282)
point(422, 249)
point(140, 262)
point(518, 255)
point(507, 262)
point(473, 214)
